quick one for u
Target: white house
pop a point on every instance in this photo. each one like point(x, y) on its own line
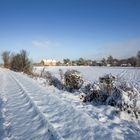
point(48, 62)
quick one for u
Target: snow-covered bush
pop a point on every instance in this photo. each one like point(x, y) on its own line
point(125, 101)
point(52, 80)
point(107, 83)
point(92, 92)
point(121, 95)
point(89, 92)
point(99, 92)
point(72, 80)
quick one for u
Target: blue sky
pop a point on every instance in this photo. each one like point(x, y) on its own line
point(72, 29)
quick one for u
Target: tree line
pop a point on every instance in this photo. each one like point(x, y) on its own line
point(109, 61)
point(21, 62)
point(17, 61)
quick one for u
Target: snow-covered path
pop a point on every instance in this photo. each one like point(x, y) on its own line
point(22, 120)
point(68, 122)
point(31, 112)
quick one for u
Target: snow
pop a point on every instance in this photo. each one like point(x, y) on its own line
point(91, 73)
point(22, 119)
point(31, 109)
point(129, 76)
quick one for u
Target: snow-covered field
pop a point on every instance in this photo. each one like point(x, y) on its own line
point(30, 109)
point(131, 75)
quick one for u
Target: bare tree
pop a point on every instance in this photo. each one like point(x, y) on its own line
point(25, 62)
point(104, 62)
point(6, 58)
point(15, 63)
point(81, 61)
point(132, 61)
point(66, 61)
point(110, 60)
point(21, 62)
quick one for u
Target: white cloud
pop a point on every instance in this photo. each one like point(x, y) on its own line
point(41, 44)
point(45, 44)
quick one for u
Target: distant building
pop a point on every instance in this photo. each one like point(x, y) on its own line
point(99, 63)
point(108, 65)
point(48, 62)
point(126, 65)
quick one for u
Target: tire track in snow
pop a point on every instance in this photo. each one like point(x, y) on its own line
point(1, 119)
point(51, 129)
point(121, 74)
point(5, 124)
point(25, 120)
point(131, 76)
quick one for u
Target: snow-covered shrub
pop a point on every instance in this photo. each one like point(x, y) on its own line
point(84, 96)
point(125, 101)
point(52, 80)
point(118, 94)
point(118, 98)
point(72, 80)
point(92, 92)
point(89, 92)
point(98, 92)
point(107, 83)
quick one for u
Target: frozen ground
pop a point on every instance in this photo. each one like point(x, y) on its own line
point(29, 111)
